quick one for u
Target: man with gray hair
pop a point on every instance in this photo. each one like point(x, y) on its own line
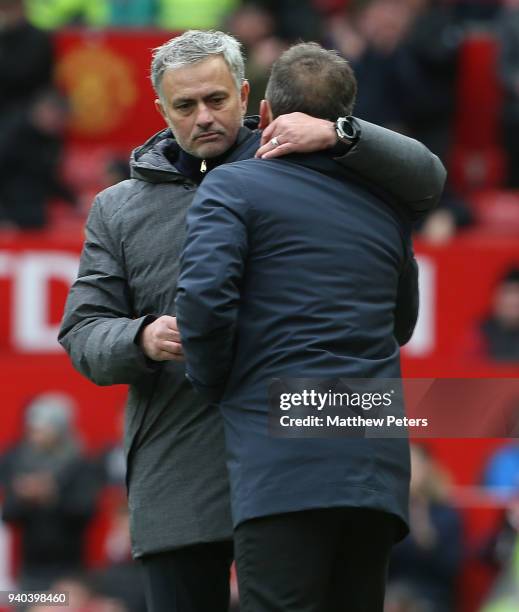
point(119, 325)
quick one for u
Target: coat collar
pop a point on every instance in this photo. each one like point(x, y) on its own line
point(154, 160)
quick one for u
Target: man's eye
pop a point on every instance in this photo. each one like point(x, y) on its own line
point(182, 107)
point(218, 100)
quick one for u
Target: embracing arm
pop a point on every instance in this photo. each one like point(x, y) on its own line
point(208, 288)
point(400, 166)
point(98, 330)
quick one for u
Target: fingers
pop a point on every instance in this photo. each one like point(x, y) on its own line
point(264, 149)
point(286, 125)
point(279, 145)
point(269, 132)
point(164, 350)
point(304, 134)
point(166, 335)
point(174, 348)
point(167, 322)
point(161, 341)
point(283, 149)
point(274, 142)
point(168, 351)
point(171, 335)
point(165, 356)
point(166, 328)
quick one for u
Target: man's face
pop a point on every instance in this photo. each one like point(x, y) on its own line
point(506, 304)
point(203, 108)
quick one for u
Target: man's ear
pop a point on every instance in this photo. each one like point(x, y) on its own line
point(244, 96)
point(266, 117)
point(160, 109)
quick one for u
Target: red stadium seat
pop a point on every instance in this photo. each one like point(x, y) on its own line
point(476, 168)
point(84, 166)
point(477, 159)
point(479, 95)
point(497, 210)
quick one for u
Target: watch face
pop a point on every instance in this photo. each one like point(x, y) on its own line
point(345, 126)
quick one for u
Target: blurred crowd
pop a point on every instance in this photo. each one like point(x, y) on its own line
point(52, 492)
point(405, 54)
point(497, 336)
point(295, 18)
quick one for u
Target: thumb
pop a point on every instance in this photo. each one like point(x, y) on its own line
point(268, 133)
point(172, 323)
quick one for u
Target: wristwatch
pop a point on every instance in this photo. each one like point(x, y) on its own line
point(347, 130)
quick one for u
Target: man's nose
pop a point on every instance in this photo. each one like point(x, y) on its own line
point(205, 116)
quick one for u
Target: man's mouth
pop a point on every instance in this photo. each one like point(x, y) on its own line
point(208, 136)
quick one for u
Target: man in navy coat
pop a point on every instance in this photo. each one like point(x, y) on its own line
point(292, 271)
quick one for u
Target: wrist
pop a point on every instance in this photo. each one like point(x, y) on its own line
point(141, 338)
point(333, 139)
point(144, 323)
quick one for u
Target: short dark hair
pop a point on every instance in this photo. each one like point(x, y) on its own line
point(312, 80)
point(511, 275)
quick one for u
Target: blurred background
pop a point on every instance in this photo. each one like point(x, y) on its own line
point(75, 98)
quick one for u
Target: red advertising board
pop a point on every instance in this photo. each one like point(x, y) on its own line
point(36, 271)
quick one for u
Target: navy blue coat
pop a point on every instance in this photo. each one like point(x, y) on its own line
point(292, 270)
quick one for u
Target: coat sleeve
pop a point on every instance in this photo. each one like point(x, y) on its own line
point(208, 289)
point(401, 166)
point(407, 301)
point(98, 329)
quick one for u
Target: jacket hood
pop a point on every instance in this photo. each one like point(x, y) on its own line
point(151, 161)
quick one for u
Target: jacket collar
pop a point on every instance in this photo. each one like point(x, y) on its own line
point(154, 160)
